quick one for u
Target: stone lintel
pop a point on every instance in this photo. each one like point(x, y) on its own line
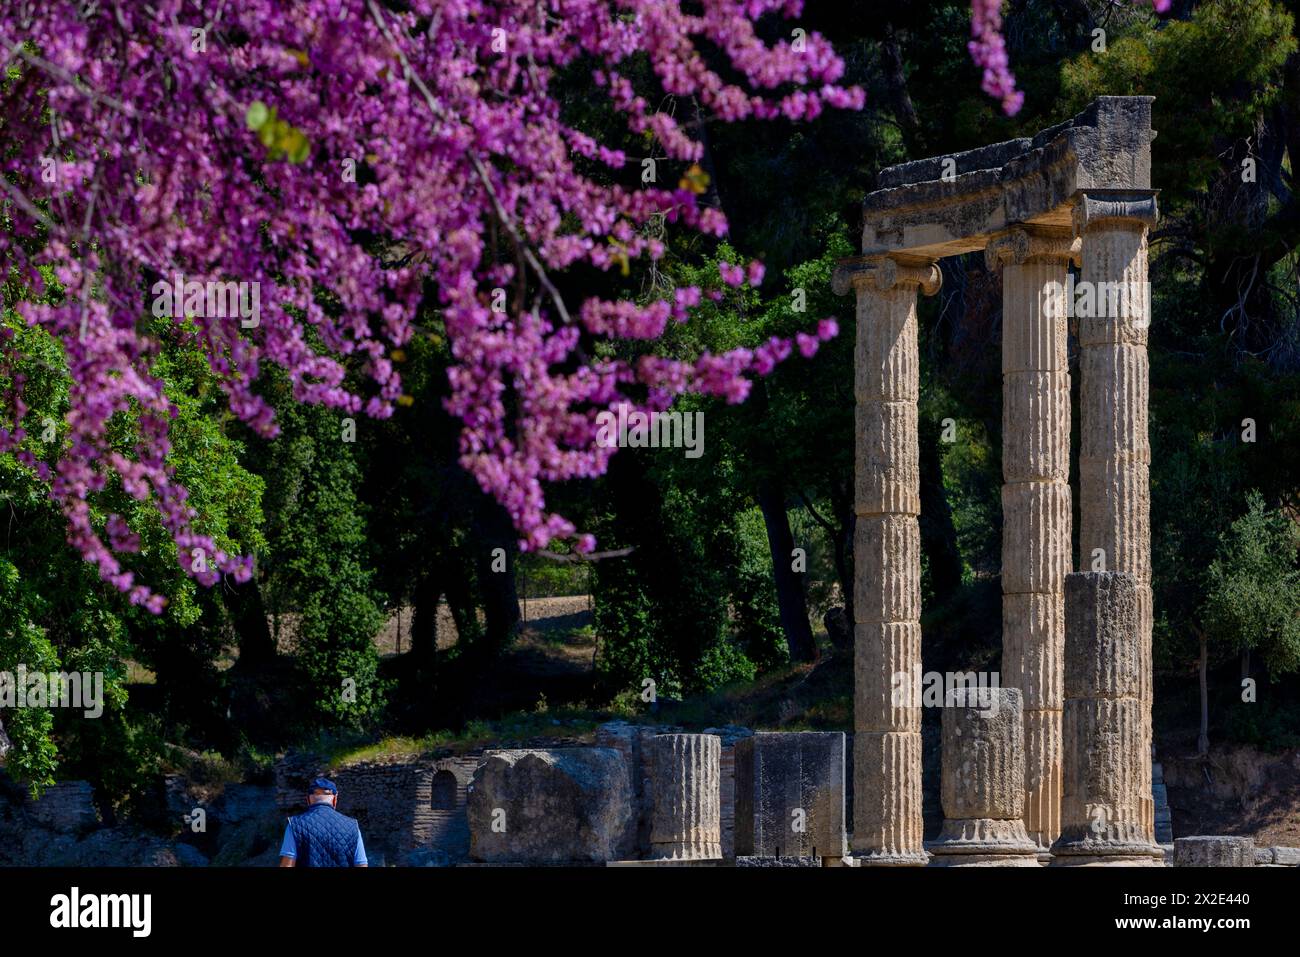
point(949, 205)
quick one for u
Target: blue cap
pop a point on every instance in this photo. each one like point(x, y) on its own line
point(322, 784)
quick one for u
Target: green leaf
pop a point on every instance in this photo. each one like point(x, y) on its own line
point(298, 147)
point(257, 115)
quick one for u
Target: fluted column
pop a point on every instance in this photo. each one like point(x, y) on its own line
point(887, 562)
point(686, 822)
point(1103, 789)
point(983, 775)
point(1114, 312)
point(1036, 508)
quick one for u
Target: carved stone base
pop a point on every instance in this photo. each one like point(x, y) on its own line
point(983, 860)
point(1089, 852)
point(983, 843)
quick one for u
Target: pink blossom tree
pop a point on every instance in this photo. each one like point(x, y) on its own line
point(338, 163)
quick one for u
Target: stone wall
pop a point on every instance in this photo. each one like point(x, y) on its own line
point(629, 740)
point(68, 808)
point(402, 807)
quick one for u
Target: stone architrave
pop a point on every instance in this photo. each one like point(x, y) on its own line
point(1103, 730)
point(887, 552)
point(983, 775)
point(790, 795)
point(686, 819)
point(564, 805)
point(1036, 511)
point(1113, 312)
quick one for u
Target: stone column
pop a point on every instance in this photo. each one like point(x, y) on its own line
point(983, 781)
point(1102, 723)
point(1113, 309)
point(887, 557)
point(686, 823)
point(1036, 507)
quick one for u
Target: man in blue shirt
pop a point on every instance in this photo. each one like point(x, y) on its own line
point(321, 836)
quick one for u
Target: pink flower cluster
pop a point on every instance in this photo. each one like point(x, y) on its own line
point(989, 51)
point(426, 151)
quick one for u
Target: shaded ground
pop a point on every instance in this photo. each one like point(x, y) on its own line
point(1239, 790)
point(542, 616)
point(547, 678)
point(550, 663)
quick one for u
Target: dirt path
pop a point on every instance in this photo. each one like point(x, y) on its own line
point(543, 617)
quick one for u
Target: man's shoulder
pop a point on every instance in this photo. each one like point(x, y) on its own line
point(338, 815)
point(323, 811)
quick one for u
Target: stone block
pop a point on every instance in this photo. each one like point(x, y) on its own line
point(1033, 648)
point(1214, 852)
point(887, 658)
point(1035, 537)
point(1102, 638)
point(1286, 856)
point(886, 464)
point(1036, 426)
point(983, 754)
point(549, 806)
point(790, 795)
point(983, 782)
point(887, 824)
point(887, 583)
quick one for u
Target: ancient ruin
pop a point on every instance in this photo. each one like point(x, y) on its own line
point(556, 806)
point(1214, 852)
point(1053, 766)
point(1103, 817)
point(686, 823)
point(983, 782)
point(790, 796)
point(1076, 193)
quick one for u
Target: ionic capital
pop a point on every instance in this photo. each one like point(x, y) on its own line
point(1131, 209)
point(882, 274)
point(1020, 245)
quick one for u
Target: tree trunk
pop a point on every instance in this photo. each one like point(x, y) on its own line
point(790, 598)
point(424, 619)
point(248, 617)
point(891, 60)
point(1203, 739)
point(493, 530)
point(460, 599)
